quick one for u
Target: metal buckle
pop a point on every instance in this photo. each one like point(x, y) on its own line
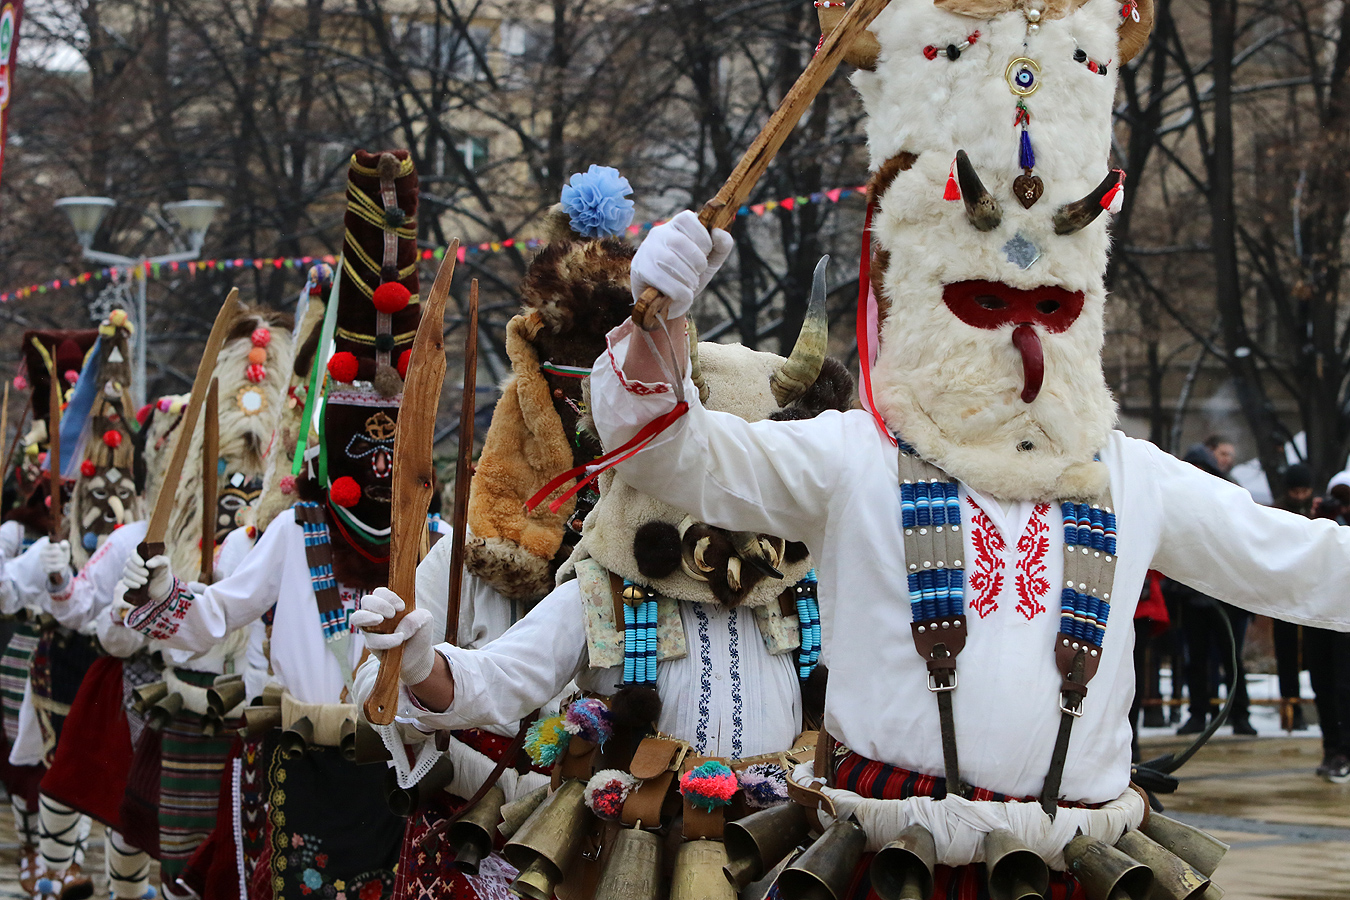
point(1077, 713)
point(940, 689)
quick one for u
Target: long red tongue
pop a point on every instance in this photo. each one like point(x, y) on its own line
point(1033, 360)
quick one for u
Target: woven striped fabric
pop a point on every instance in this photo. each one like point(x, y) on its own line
point(14, 664)
point(191, 767)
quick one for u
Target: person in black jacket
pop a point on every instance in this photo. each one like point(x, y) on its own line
point(1327, 656)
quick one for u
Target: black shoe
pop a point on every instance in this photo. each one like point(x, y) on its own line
point(1153, 717)
point(1194, 725)
point(1243, 727)
point(1336, 770)
point(1299, 722)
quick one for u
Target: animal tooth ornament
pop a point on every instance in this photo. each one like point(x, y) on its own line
point(989, 129)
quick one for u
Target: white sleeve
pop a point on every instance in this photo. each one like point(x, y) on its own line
point(517, 673)
point(1218, 540)
point(89, 592)
point(771, 477)
point(117, 638)
point(198, 620)
point(27, 578)
point(11, 540)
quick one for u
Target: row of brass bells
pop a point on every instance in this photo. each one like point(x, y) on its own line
point(1105, 872)
point(903, 869)
point(406, 801)
point(519, 810)
point(758, 842)
point(1201, 850)
point(825, 870)
point(295, 740)
point(147, 695)
point(225, 696)
point(470, 837)
point(633, 869)
point(163, 711)
point(1016, 872)
point(549, 842)
point(698, 872)
point(1173, 877)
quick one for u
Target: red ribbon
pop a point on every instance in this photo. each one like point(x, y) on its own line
point(600, 464)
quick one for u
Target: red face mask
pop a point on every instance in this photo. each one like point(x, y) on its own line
point(990, 305)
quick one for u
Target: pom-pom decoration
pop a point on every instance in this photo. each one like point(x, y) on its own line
point(344, 492)
point(257, 355)
point(118, 318)
point(595, 202)
point(287, 484)
point(710, 786)
point(403, 359)
point(256, 373)
point(765, 785)
point(20, 383)
point(112, 438)
point(390, 297)
point(343, 367)
point(589, 719)
point(71, 376)
point(261, 337)
point(547, 740)
point(88, 469)
point(606, 792)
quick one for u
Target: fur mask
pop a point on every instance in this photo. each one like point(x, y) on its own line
point(991, 310)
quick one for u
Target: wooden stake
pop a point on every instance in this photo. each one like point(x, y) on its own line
point(463, 469)
point(210, 494)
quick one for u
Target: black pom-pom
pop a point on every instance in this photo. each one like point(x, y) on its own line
point(656, 546)
point(795, 552)
point(636, 708)
point(384, 343)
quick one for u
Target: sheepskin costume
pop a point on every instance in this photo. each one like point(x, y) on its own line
point(159, 433)
point(252, 372)
point(989, 130)
point(105, 495)
point(574, 292)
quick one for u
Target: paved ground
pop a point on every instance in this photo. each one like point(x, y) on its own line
point(1290, 831)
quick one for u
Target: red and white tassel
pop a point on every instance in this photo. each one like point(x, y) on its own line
point(953, 191)
point(1115, 198)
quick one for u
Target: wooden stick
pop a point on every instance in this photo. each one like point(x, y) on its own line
point(413, 478)
point(650, 309)
point(54, 455)
point(468, 405)
point(4, 424)
point(14, 442)
point(153, 544)
point(210, 498)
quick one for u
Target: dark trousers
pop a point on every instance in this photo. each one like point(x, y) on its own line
point(1328, 658)
point(1288, 658)
point(1207, 653)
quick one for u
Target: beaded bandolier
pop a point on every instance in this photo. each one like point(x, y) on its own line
point(930, 511)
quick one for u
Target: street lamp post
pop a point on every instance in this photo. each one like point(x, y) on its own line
point(193, 216)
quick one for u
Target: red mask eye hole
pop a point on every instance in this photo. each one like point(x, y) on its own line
point(1047, 307)
point(989, 301)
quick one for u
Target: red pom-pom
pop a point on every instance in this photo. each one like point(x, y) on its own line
point(112, 438)
point(345, 491)
point(257, 355)
point(20, 383)
point(261, 337)
point(72, 376)
point(343, 367)
point(390, 297)
point(255, 373)
point(287, 484)
point(403, 359)
point(88, 469)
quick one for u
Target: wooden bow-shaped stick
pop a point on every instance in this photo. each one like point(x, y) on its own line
point(210, 494)
point(54, 468)
point(650, 309)
point(463, 464)
point(414, 478)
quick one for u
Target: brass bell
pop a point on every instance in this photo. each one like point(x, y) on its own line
point(147, 695)
point(633, 870)
point(1105, 872)
point(347, 739)
point(212, 724)
point(1214, 892)
point(1173, 877)
point(549, 841)
point(260, 719)
point(698, 872)
point(758, 842)
point(1016, 872)
point(406, 801)
point(825, 870)
point(163, 711)
point(222, 698)
point(903, 869)
point(471, 835)
point(367, 745)
point(271, 695)
point(296, 739)
point(515, 813)
point(1203, 851)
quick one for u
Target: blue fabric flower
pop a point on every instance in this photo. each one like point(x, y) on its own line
point(313, 880)
point(594, 200)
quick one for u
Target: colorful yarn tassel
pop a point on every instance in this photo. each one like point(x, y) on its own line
point(710, 786)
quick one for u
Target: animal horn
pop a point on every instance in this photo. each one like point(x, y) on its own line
point(695, 370)
point(800, 370)
point(1079, 214)
point(756, 552)
point(982, 209)
point(1133, 31)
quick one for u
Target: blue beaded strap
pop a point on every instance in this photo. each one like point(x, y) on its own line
point(639, 635)
point(808, 620)
point(1089, 563)
point(319, 556)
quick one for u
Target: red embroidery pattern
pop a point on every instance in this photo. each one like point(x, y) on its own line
point(986, 577)
point(1032, 547)
point(635, 387)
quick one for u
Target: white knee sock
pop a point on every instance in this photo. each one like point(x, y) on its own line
point(25, 821)
point(128, 868)
point(64, 832)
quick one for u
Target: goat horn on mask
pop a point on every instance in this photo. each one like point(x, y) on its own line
point(982, 209)
point(765, 554)
point(695, 372)
point(800, 370)
point(1079, 214)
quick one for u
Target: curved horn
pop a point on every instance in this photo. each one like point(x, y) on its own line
point(695, 371)
point(799, 371)
point(1134, 30)
point(749, 547)
point(982, 209)
point(1079, 214)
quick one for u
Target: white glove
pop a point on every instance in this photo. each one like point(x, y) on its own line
point(413, 632)
point(55, 559)
point(679, 258)
point(137, 573)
